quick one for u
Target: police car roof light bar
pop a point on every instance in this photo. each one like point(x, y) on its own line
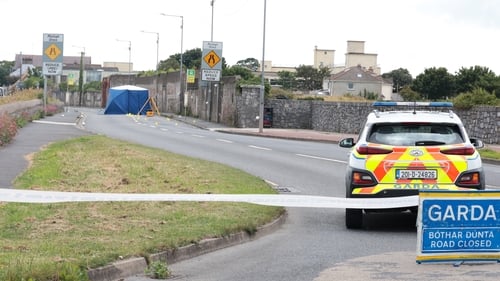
point(414, 103)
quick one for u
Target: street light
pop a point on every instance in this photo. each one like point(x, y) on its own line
point(129, 56)
point(181, 97)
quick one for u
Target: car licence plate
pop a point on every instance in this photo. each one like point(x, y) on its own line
point(416, 174)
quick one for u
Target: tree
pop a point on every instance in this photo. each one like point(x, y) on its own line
point(311, 78)
point(250, 63)
point(5, 70)
point(434, 84)
point(401, 77)
point(475, 77)
point(323, 73)
point(34, 79)
point(287, 79)
point(245, 73)
point(409, 95)
point(190, 59)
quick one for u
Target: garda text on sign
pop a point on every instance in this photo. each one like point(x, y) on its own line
point(458, 226)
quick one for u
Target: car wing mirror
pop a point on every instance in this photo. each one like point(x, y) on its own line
point(477, 143)
point(347, 142)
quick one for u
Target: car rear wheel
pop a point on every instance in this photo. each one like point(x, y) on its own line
point(354, 218)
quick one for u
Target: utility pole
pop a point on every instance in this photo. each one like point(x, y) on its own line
point(210, 92)
point(80, 78)
point(262, 87)
point(181, 88)
point(129, 58)
point(157, 58)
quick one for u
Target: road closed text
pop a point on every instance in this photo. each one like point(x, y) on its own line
point(460, 240)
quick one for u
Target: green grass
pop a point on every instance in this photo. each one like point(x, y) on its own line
point(40, 240)
point(487, 153)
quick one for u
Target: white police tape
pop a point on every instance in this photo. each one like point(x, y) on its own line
point(308, 201)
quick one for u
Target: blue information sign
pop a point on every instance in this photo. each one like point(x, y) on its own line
point(459, 226)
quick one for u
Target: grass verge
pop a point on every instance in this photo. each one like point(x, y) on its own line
point(39, 240)
point(487, 153)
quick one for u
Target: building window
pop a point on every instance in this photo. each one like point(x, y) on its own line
point(350, 86)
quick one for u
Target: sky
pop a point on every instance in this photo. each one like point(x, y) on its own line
point(410, 34)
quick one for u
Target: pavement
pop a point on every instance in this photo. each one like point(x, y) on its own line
point(15, 158)
point(297, 134)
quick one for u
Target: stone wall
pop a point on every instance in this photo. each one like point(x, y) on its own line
point(291, 114)
point(348, 117)
point(247, 107)
point(482, 122)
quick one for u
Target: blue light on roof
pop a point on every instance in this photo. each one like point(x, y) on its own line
point(411, 103)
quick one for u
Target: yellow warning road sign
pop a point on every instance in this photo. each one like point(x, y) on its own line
point(52, 51)
point(212, 59)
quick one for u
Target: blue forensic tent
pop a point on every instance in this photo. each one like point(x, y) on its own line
point(128, 99)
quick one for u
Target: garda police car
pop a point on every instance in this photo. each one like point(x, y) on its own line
point(399, 152)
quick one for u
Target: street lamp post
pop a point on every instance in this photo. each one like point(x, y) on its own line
point(212, 25)
point(157, 45)
point(157, 55)
point(80, 78)
point(210, 93)
point(261, 107)
point(181, 94)
point(129, 57)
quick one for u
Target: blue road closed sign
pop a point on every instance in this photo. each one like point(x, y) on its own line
point(458, 226)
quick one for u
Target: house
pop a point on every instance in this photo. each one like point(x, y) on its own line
point(357, 80)
point(71, 68)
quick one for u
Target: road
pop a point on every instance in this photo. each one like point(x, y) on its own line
point(311, 240)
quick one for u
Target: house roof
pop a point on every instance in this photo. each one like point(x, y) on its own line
point(357, 74)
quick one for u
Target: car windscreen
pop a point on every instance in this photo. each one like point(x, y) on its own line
point(410, 134)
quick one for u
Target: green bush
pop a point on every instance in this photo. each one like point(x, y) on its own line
point(478, 96)
point(8, 128)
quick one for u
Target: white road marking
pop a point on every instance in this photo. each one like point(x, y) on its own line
point(198, 136)
point(223, 140)
point(259, 147)
point(54, 123)
point(322, 158)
